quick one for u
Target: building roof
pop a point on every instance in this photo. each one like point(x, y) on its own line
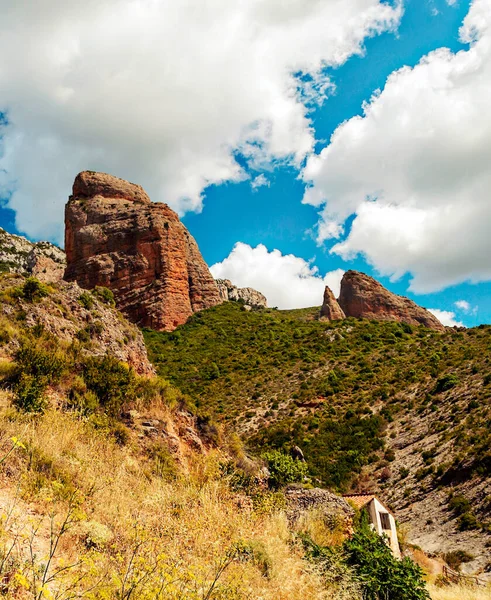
point(362, 500)
point(359, 500)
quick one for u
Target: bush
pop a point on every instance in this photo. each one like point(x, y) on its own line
point(111, 381)
point(468, 521)
point(459, 504)
point(284, 469)
point(445, 383)
point(29, 393)
point(35, 368)
point(32, 290)
point(86, 300)
point(455, 558)
point(380, 573)
point(105, 295)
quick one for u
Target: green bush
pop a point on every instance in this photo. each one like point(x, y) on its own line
point(29, 393)
point(381, 574)
point(86, 300)
point(105, 295)
point(32, 290)
point(459, 504)
point(468, 521)
point(445, 383)
point(35, 368)
point(113, 382)
point(284, 469)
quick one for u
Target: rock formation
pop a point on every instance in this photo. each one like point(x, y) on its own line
point(364, 297)
point(95, 326)
point(42, 259)
point(330, 308)
point(117, 238)
point(250, 297)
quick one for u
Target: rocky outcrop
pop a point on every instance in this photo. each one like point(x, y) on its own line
point(249, 296)
point(73, 315)
point(117, 238)
point(364, 297)
point(333, 509)
point(330, 308)
point(42, 259)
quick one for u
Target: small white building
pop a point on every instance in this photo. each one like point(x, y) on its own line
point(381, 518)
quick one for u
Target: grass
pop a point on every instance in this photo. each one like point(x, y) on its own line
point(457, 592)
point(186, 532)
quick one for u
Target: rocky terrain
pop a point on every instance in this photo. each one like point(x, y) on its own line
point(363, 297)
point(117, 238)
point(43, 260)
point(248, 296)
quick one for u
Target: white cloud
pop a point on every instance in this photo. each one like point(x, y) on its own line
point(446, 317)
point(463, 305)
point(162, 92)
point(260, 181)
point(287, 281)
point(466, 307)
point(414, 170)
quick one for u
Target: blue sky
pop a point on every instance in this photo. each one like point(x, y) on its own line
point(280, 215)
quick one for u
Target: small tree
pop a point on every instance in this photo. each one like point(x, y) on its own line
point(383, 576)
point(284, 469)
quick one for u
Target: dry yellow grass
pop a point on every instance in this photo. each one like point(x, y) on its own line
point(457, 592)
point(183, 538)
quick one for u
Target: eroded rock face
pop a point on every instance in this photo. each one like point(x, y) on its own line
point(250, 297)
point(117, 238)
point(330, 307)
point(99, 326)
point(364, 297)
point(42, 259)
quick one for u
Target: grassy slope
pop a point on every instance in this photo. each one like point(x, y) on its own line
point(344, 392)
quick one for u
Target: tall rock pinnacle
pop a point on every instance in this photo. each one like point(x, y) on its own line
point(117, 238)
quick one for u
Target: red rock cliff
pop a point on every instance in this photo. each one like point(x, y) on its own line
point(364, 297)
point(117, 238)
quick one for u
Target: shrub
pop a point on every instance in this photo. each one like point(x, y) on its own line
point(86, 300)
point(105, 295)
point(381, 574)
point(455, 558)
point(445, 383)
point(111, 381)
point(459, 504)
point(29, 393)
point(468, 521)
point(32, 290)
point(36, 367)
point(284, 469)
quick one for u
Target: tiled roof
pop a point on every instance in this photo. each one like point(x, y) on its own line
point(360, 500)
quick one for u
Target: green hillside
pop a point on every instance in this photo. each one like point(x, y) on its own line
point(284, 378)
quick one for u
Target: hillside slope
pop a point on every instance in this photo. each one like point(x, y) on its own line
point(373, 405)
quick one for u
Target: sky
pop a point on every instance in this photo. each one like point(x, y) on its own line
point(296, 139)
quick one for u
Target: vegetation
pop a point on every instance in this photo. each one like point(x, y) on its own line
point(334, 389)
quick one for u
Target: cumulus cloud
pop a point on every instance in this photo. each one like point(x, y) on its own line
point(260, 181)
point(287, 281)
point(163, 92)
point(466, 307)
point(446, 317)
point(414, 169)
